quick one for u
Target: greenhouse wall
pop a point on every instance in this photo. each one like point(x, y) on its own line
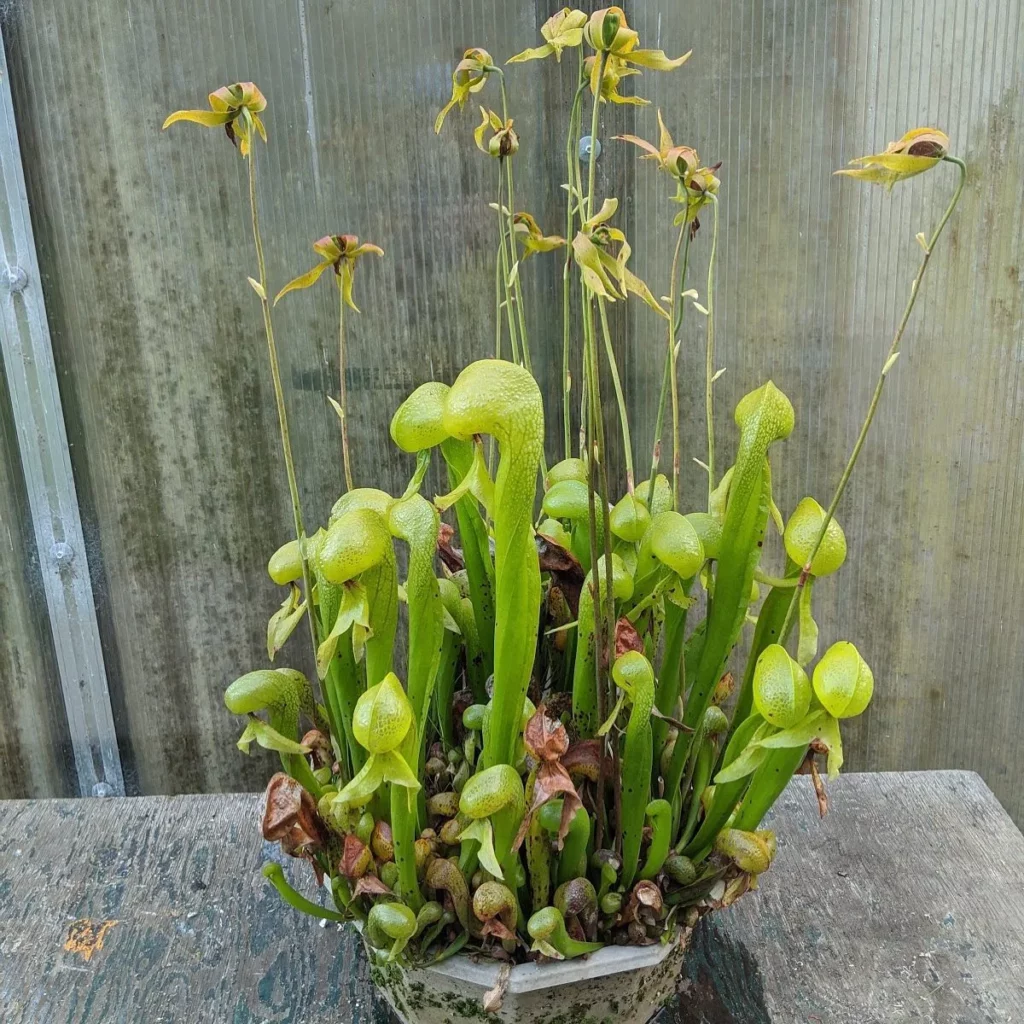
point(142, 245)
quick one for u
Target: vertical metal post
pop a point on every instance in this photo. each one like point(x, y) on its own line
point(46, 464)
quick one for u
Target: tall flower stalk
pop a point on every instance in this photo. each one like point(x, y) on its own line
point(709, 357)
point(573, 201)
point(695, 186)
point(339, 253)
point(238, 108)
point(898, 162)
point(670, 374)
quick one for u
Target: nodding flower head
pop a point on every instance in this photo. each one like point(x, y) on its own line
point(469, 76)
point(608, 32)
point(614, 71)
point(562, 30)
point(339, 252)
point(679, 161)
point(604, 274)
point(694, 184)
point(531, 237)
point(237, 107)
point(505, 140)
point(916, 152)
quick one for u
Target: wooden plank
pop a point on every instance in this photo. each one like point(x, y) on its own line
point(902, 905)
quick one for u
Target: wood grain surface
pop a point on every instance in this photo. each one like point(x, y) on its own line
point(903, 905)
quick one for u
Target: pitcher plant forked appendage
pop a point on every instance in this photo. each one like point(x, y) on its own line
point(564, 750)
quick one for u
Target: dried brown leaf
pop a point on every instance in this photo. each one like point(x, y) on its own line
point(493, 997)
point(451, 557)
point(370, 885)
point(648, 894)
point(545, 737)
point(552, 781)
point(627, 638)
point(356, 858)
point(724, 689)
point(319, 746)
point(566, 571)
point(289, 815)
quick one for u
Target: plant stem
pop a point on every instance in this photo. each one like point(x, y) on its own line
point(571, 162)
point(602, 58)
point(517, 286)
point(586, 428)
point(584, 399)
point(604, 619)
point(514, 289)
point(497, 276)
point(282, 415)
point(342, 388)
point(915, 288)
point(669, 374)
point(709, 367)
point(509, 311)
point(620, 398)
point(274, 874)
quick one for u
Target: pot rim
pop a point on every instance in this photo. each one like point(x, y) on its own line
point(534, 977)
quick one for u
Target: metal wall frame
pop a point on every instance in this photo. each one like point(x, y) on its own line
point(49, 481)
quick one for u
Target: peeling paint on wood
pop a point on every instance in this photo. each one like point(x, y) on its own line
point(86, 937)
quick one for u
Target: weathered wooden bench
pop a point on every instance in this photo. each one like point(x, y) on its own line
point(905, 904)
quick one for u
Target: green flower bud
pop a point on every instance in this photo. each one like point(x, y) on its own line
point(716, 723)
point(417, 421)
point(801, 533)
point(629, 519)
point(842, 681)
point(389, 875)
point(382, 716)
point(285, 563)
point(567, 469)
point(708, 529)
point(782, 691)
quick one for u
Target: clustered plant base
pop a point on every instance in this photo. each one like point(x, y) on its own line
point(559, 759)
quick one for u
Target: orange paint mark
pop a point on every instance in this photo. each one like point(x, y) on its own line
point(86, 937)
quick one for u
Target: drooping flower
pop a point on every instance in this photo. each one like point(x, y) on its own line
point(694, 184)
point(531, 237)
point(607, 31)
point(469, 76)
point(679, 161)
point(603, 273)
point(505, 140)
point(916, 152)
point(614, 71)
point(696, 193)
point(237, 107)
point(339, 252)
point(562, 30)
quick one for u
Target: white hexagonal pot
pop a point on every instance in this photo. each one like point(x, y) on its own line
point(616, 985)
